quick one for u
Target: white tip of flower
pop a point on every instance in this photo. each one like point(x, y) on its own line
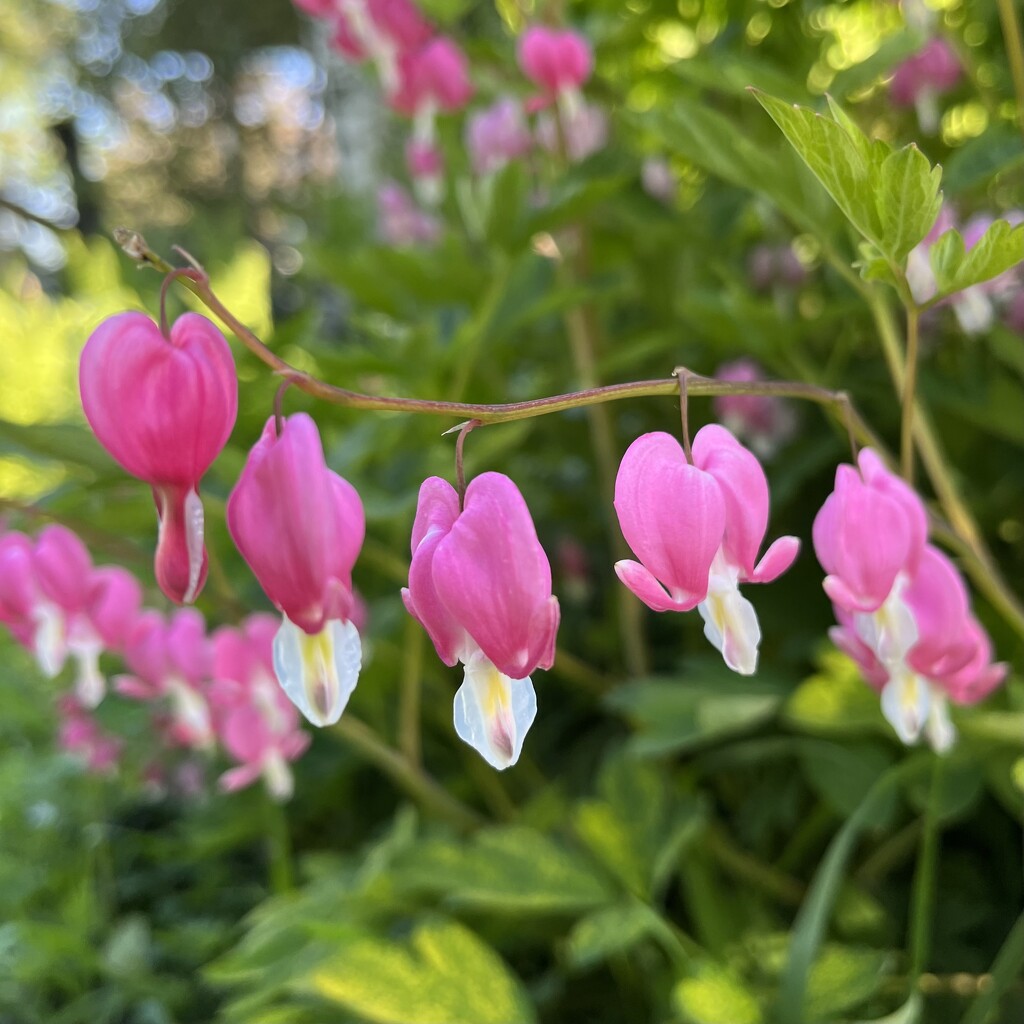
point(939, 728)
point(50, 644)
point(731, 626)
point(906, 701)
point(278, 776)
point(493, 713)
point(194, 530)
point(90, 684)
point(318, 673)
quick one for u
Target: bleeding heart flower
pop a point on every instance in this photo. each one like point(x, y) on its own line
point(697, 530)
point(480, 584)
point(300, 527)
point(164, 408)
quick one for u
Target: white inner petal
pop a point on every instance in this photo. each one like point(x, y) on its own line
point(730, 622)
point(939, 728)
point(906, 703)
point(493, 713)
point(318, 672)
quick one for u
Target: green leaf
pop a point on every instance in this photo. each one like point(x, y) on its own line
point(835, 700)
point(891, 198)
point(510, 870)
point(843, 978)
point(809, 926)
point(908, 1013)
point(843, 775)
point(444, 975)
point(999, 249)
point(672, 715)
point(715, 995)
point(608, 932)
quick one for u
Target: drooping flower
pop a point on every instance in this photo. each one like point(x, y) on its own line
point(696, 530)
point(480, 584)
point(300, 527)
point(163, 408)
point(555, 60)
point(170, 659)
point(902, 606)
point(584, 130)
point(402, 222)
point(497, 135)
point(762, 421)
point(80, 736)
point(256, 722)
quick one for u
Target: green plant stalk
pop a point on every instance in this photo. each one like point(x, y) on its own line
point(409, 693)
point(908, 397)
point(416, 782)
point(1014, 53)
point(923, 893)
point(279, 847)
point(1005, 971)
point(744, 866)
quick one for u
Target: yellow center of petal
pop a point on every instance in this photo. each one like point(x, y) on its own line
point(318, 662)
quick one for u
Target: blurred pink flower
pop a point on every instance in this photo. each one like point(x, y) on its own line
point(170, 659)
point(80, 736)
point(696, 530)
point(256, 722)
point(658, 179)
point(431, 79)
point(764, 422)
point(923, 77)
point(497, 135)
point(300, 527)
point(585, 128)
point(775, 266)
point(480, 584)
point(402, 223)
point(163, 408)
point(555, 60)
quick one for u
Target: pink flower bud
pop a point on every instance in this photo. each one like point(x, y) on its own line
point(164, 409)
point(555, 60)
point(934, 67)
point(480, 584)
point(300, 527)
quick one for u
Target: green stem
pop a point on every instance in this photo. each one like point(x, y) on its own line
point(1014, 53)
point(747, 868)
point(907, 398)
point(410, 688)
point(923, 896)
point(416, 782)
point(279, 847)
point(891, 853)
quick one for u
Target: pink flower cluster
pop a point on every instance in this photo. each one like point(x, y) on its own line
point(765, 422)
point(903, 608)
point(202, 689)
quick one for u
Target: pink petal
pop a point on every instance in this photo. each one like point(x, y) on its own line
point(671, 514)
point(492, 575)
point(181, 563)
point(744, 488)
point(776, 560)
point(642, 582)
point(63, 568)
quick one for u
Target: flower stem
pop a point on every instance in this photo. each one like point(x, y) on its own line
point(909, 388)
point(1014, 53)
point(410, 689)
point(923, 894)
point(279, 847)
point(417, 783)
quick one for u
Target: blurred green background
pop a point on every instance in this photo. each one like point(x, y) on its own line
point(674, 835)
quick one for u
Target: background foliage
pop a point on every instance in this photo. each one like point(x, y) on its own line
point(678, 843)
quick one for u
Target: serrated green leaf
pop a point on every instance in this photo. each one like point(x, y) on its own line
point(891, 197)
point(908, 200)
point(998, 250)
point(445, 974)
